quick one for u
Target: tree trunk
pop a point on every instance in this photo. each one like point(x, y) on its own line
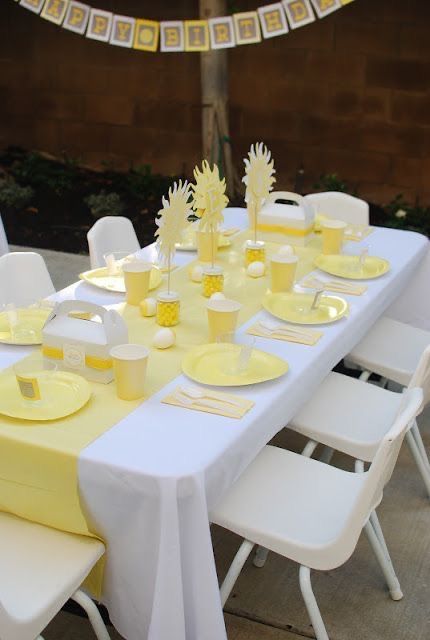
point(214, 88)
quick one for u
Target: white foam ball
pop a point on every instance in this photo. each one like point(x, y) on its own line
point(148, 307)
point(164, 338)
point(286, 250)
point(217, 296)
point(196, 273)
point(256, 269)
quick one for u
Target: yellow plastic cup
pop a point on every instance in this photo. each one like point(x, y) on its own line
point(222, 319)
point(212, 281)
point(168, 307)
point(136, 279)
point(282, 272)
point(254, 252)
point(332, 235)
point(129, 365)
point(207, 245)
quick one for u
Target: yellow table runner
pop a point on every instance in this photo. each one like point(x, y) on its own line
point(38, 461)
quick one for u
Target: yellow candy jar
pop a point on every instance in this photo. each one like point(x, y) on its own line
point(254, 252)
point(168, 306)
point(212, 281)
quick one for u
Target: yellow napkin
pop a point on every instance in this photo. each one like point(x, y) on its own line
point(338, 286)
point(227, 410)
point(306, 336)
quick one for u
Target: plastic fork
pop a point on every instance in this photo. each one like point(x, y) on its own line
point(200, 394)
point(210, 404)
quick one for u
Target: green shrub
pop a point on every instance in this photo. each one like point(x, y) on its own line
point(332, 182)
point(104, 204)
point(13, 196)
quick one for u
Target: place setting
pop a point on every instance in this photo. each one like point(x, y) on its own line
point(118, 265)
point(37, 390)
point(22, 324)
point(355, 264)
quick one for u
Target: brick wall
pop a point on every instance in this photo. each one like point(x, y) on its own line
point(347, 94)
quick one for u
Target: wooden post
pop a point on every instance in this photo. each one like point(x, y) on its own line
point(214, 93)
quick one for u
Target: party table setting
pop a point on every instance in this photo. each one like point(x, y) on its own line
point(132, 400)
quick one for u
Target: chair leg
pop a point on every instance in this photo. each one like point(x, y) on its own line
point(260, 557)
point(365, 375)
point(93, 614)
point(422, 467)
point(235, 568)
point(385, 564)
point(311, 604)
point(326, 455)
point(310, 447)
point(374, 520)
point(420, 444)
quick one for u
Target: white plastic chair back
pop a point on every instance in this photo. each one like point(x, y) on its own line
point(340, 206)
point(24, 278)
point(379, 473)
point(4, 247)
point(421, 376)
point(111, 233)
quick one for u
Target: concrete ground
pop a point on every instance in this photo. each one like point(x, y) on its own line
point(266, 603)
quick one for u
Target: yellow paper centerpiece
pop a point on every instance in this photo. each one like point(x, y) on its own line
point(172, 220)
point(209, 202)
point(259, 181)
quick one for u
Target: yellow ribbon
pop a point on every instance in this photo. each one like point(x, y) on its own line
point(286, 231)
point(102, 364)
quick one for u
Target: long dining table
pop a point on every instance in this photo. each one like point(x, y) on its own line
point(147, 484)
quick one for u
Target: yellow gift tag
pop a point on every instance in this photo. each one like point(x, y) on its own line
point(29, 388)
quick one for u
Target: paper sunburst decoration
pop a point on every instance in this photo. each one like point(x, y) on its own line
point(171, 222)
point(209, 196)
point(258, 179)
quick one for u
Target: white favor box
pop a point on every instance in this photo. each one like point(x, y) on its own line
point(292, 223)
point(82, 346)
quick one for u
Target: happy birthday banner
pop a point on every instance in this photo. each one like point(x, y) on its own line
point(182, 35)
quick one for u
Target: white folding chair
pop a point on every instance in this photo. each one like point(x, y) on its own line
point(4, 247)
point(341, 206)
point(353, 416)
point(41, 568)
point(24, 278)
point(311, 512)
point(111, 233)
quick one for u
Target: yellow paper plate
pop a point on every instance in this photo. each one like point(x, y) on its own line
point(216, 364)
point(29, 328)
point(296, 307)
point(189, 243)
point(62, 394)
point(101, 279)
point(346, 266)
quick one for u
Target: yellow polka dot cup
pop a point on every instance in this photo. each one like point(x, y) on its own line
point(254, 252)
point(129, 365)
point(136, 279)
point(207, 245)
point(168, 308)
point(332, 235)
point(212, 281)
point(222, 319)
point(282, 272)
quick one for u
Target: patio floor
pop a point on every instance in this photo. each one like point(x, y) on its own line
point(266, 603)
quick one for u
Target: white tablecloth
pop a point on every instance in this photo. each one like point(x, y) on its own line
point(147, 483)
